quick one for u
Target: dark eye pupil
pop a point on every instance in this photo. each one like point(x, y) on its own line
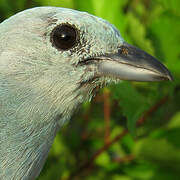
point(67, 38)
point(64, 37)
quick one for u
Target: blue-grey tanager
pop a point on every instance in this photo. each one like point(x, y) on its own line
point(51, 60)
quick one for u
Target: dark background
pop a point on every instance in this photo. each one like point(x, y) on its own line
point(96, 145)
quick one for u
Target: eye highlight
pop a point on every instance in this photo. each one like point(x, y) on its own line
point(64, 37)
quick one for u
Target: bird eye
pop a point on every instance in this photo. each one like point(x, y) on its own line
point(64, 37)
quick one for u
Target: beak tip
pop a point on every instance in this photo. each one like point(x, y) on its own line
point(170, 77)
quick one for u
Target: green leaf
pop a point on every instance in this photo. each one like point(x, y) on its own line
point(143, 171)
point(165, 31)
point(132, 103)
point(158, 151)
point(137, 31)
point(84, 6)
point(103, 159)
point(61, 3)
point(118, 177)
point(175, 121)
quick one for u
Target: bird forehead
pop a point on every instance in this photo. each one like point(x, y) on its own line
point(56, 15)
point(86, 22)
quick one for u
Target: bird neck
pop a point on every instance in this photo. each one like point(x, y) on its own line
point(24, 150)
point(30, 117)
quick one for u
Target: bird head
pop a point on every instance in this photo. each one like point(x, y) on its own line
point(51, 60)
point(61, 55)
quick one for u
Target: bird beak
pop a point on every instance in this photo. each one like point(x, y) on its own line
point(131, 63)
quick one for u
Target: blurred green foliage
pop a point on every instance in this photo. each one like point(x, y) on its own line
point(154, 153)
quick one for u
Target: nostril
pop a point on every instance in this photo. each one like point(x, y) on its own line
point(123, 50)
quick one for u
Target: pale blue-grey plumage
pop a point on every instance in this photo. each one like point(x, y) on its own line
point(41, 86)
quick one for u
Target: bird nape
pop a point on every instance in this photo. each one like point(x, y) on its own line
point(51, 60)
